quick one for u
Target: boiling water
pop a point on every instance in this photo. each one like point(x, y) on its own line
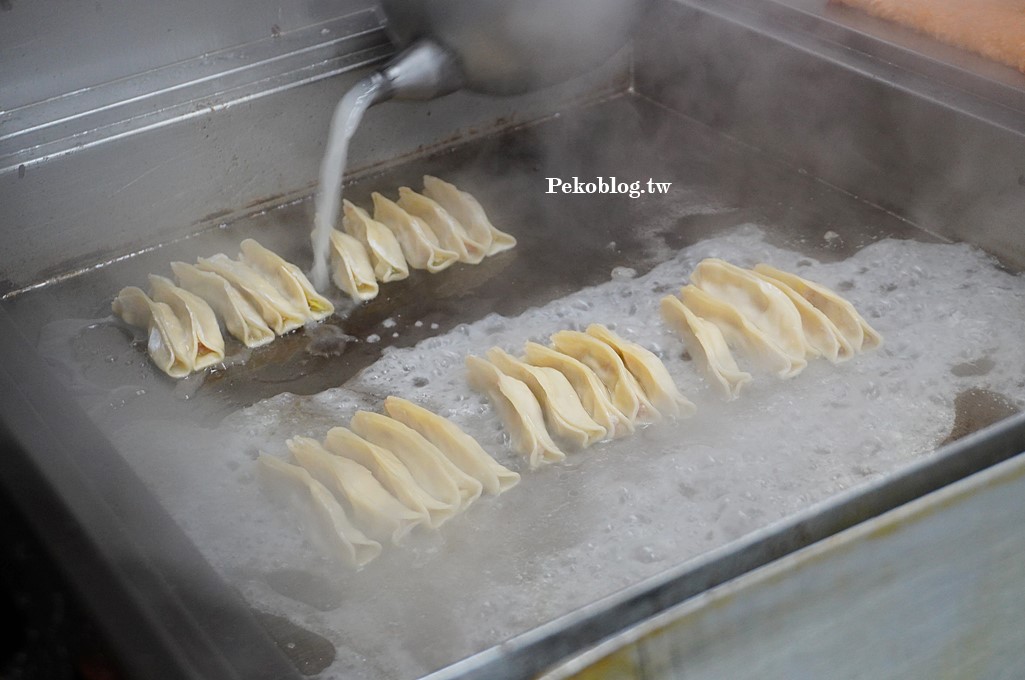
point(344, 122)
point(620, 511)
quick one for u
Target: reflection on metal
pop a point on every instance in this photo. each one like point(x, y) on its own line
point(934, 589)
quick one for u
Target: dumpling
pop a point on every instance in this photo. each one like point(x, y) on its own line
point(325, 518)
point(627, 393)
point(451, 234)
point(842, 313)
point(241, 319)
point(761, 303)
point(519, 411)
point(288, 278)
point(469, 213)
point(459, 447)
point(202, 332)
point(821, 334)
point(167, 343)
point(377, 511)
point(429, 466)
point(559, 401)
point(278, 312)
point(350, 267)
point(593, 394)
point(420, 246)
point(650, 372)
point(391, 473)
point(739, 332)
point(382, 246)
point(707, 347)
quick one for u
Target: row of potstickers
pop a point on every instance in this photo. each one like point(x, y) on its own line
point(255, 297)
point(431, 230)
point(382, 477)
point(260, 295)
point(585, 388)
point(775, 319)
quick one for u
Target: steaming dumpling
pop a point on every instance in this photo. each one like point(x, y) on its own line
point(429, 466)
point(203, 334)
point(167, 344)
point(593, 394)
point(384, 249)
point(288, 278)
point(650, 372)
point(241, 319)
point(469, 213)
point(627, 394)
point(821, 334)
point(559, 401)
point(519, 411)
point(391, 473)
point(459, 447)
point(351, 268)
point(761, 303)
point(707, 347)
point(278, 312)
point(380, 514)
point(738, 331)
point(852, 326)
point(324, 516)
point(451, 234)
point(419, 244)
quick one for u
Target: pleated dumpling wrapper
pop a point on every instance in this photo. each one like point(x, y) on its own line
point(593, 394)
point(519, 411)
point(459, 447)
point(450, 232)
point(761, 303)
point(842, 313)
point(324, 517)
point(279, 314)
point(376, 511)
point(739, 332)
point(420, 246)
point(203, 333)
point(166, 343)
point(650, 372)
point(821, 334)
point(241, 319)
point(382, 246)
point(288, 278)
point(627, 393)
point(391, 472)
point(707, 347)
point(429, 466)
point(468, 211)
point(559, 402)
point(350, 267)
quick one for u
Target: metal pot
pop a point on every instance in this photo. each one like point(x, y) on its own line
point(512, 46)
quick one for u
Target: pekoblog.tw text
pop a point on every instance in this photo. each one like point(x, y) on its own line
point(606, 185)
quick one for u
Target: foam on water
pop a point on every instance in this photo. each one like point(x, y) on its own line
point(619, 511)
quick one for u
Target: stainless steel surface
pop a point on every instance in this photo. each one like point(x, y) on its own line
point(932, 589)
point(776, 154)
point(510, 47)
point(823, 95)
point(51, 48)
point(116, 180)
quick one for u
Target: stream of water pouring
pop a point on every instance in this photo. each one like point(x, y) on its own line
point(344, 122)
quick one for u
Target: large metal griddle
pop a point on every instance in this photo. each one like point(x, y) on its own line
point(156, 598)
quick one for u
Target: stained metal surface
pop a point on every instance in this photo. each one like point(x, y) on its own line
point(932, 589)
